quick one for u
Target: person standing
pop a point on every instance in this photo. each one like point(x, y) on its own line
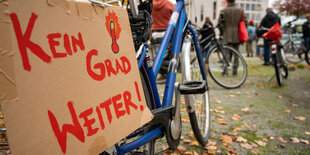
point(229, 20)
point(207, 30)
point(306, 32)
point(267, 22)
point(161, 13)
point(251, 38)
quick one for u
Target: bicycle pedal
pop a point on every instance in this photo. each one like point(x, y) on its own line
point(193, 87)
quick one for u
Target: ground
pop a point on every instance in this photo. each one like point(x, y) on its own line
point(257, 118)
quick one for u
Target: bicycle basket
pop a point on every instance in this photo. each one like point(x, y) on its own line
point(275, 33)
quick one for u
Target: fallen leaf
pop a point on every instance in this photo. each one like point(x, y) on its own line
point(287, 111)
point(191, 134)
point(230, 150)
point(181, 149)
point(220, 116)
point(295, 140)
point(241, 140)
point(194, 143)
point(231, 96)
point(235, 117)
point(232, 133)
point(246, 146)
point(222, 112)
point(231, 92)
point(185, 119)
point(237, 129)
point(222, 122)
point(245, 125)
point(304, 141)
point(247, 93)
point(216, 100)
point(188, 153)
point(246, 109)
point(211, 147)
point(271, 138)
point(186, 140)
point(226, 139)
point(295, 105)
point(282, 140)
point(307, 133)
point(253, 144)
point(300, 118)
point(257, 94)
point(260, 143)
point(265, 139)
point(220, 108)
point(254, 126)
point(238, 92)
point(280, 96)
point(255, 151)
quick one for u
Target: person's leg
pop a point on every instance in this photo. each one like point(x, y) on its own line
point(236, 59)
point(247, 48)
point(251, 48)
point(266, 52)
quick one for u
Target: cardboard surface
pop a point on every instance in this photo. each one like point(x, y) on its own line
point(8, 91)
point(77, 78)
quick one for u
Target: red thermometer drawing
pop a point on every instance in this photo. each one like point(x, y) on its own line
point(114, 45)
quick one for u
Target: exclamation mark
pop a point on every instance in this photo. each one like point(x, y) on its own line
point(138, 94)
point(114, 45)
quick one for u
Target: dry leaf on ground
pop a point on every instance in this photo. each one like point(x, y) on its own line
point(280, 96)
point(211, 147)
point(237, 129)
point(304, 141)
point(194, 143)
point(230, 150)
point(222, 122)
point(226, 139)
point(232, 133)
point(231, 96)
point(255, 151)
point(295, 140)
point(246, 146)
point(216, 100)
point(181, 149)
point(220, 116)
point(307, 133)
point(219, 108)
point(271, 138)
point(191, 134)
point(187, 140)
point(245, 109)
point(281, 140)
point(245, 125)
point(300, 118)
point(241, 140)
point(295, 105)
point(235, 117)
point(260, 143)
point(287, 111)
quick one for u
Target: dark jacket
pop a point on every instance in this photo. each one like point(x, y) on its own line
point(306, 29)
point(207, 29)
point(268, 21)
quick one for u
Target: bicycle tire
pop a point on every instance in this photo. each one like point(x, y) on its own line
point(292, 53)
point(199, 115)
point(216, 66)
point(284, 69)
point(307, 56)
point(277, 69)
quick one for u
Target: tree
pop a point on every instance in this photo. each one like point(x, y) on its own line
point(293, 7)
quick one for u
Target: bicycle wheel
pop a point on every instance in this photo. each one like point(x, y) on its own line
point(307, 56)
point(292, 52)
point(229, 74)
point(199, 115)
point(283, 66)
point(277, 67)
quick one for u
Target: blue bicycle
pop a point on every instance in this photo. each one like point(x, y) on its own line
point(167, 117)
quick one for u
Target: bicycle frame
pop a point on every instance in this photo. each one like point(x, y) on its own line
point(178, 23)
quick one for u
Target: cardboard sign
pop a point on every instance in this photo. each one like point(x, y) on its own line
point(77, 78)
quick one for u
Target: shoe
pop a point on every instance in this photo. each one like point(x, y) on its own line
point(224, 73)
point(266, 64)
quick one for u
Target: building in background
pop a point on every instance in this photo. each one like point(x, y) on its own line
point(198, 9)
